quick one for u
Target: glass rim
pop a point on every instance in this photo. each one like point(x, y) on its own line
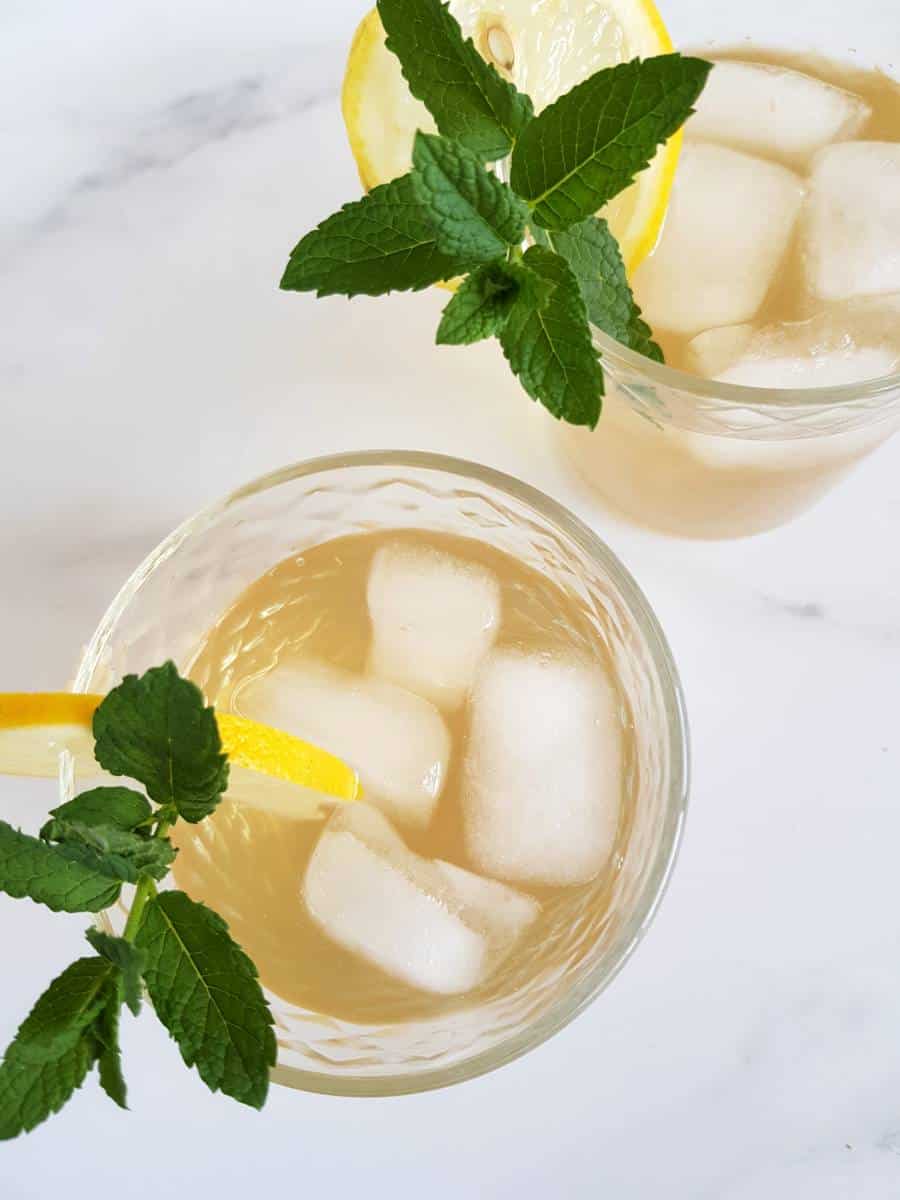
point(741, 395)
point(676, 733)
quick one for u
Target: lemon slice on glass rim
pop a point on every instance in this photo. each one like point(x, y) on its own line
point(270, 769)
point(544, 49)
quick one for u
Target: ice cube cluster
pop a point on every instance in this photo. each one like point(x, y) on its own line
point(542, 773)
point(769, 172)
point(434, 926)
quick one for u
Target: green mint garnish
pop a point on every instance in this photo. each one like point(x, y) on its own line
point(382, 243)
point(111, 851)
point(591, 143)
point(31, 869)
point(109, 1058)
point(56, 1046)
point(122, 807)
point(480, 306)
point(547, 342)
point(223, 1031)
point(453, 218)
point(470, 101)
point(127, 957)
point(596, 261)
point(155, 729)
point(475, 217)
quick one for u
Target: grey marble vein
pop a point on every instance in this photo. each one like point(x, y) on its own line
point(190, 123)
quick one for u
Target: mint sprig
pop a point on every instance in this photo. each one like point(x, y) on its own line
point(452, 218)
point(155, 729)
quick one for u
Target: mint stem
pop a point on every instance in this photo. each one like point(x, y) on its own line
point(145, 890)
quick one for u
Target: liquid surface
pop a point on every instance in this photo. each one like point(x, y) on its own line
point(249, 864)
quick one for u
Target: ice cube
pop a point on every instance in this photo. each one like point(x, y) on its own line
point(765, 367)
point(847, 344)
point(434, 617)
point(543, 771)
point(374, 897)
point(431, 924)
point(397, 741)
point(727, 229)
point(775, 112)
point(844, 344)
point(851, 221)
point(503, 913)
point(717, 349)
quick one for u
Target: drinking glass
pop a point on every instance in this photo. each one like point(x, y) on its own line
point(697, 458)
point(185, 585)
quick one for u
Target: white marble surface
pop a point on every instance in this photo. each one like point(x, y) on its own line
point(159, 158)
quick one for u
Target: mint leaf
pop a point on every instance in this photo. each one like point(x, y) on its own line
point(475, 216)
point(127, 957)
point(29, 867)
point(112, 851)
point(469, 100)
point(547, 342)
point(479, 308)
point(55, 1046)
point(537, 288)
point(156, 729)
point(596, 261)
point(32, 1092)
point(467, 203)
point(382, 243)
point(118, 806)
point(588, 146)
point(109, 1058)
point(68, 1007)
point(206, 992)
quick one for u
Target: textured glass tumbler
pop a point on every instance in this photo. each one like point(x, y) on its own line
point(185, 585)
point(702, 459)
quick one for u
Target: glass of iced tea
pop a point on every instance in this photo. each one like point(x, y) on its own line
point(511, 705)
point(774, 288)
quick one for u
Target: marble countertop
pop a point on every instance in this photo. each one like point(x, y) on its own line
point(160, 158)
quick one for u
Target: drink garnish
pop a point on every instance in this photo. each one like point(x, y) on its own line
point(451, 217)
point(156, 730)
point(35, 726)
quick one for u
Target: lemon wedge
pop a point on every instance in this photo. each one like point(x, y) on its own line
point(544, 49)
point(268, 766)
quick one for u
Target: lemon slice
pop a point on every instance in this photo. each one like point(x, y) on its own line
point(545, 49)
point(268, 766)
point(35, 727)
